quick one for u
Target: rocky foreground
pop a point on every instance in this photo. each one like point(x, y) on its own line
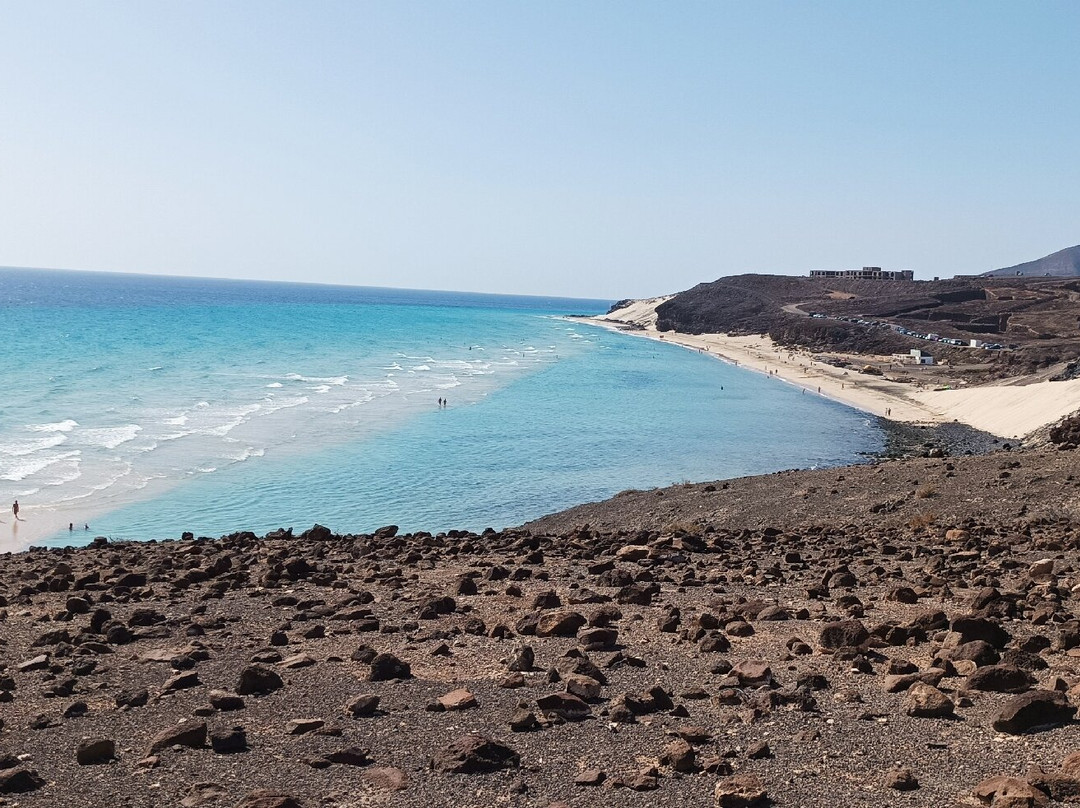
point(813, 648)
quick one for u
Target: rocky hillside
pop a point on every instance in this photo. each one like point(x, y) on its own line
point(1034, 321)
point(1062, 264)
point(824, 658)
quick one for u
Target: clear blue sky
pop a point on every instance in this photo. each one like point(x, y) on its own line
point(602, 149)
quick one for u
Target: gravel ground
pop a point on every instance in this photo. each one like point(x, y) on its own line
point(760, 573)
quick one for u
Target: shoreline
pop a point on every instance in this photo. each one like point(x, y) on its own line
point(759, 354)
point(1005, 411)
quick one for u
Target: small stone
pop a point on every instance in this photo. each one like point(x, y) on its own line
point(350, 756)
point(565, 706)
point(302, 726)
point(181, 681)
point(229, 740)
point(297, 661)
point(1009, 792)
point(363, 706)
point(19, 780)
point(261, 798)
point(926, 701)
point(459, 699)
point(759, 751)
point(523, 720)
point(1034, 710)
point(562, 623)
point(584, 687)
point(521, 658)
point(843, 634)
point(185, 734)
point(97, 750)
point(901, 780)
point(739, 791)
point(590, 777)
point(256, 680)
point(387, 667)
point(475, 754)
point(753, 673)
point(225, 701)
point(679, 755)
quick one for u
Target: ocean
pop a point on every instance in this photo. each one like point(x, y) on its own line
point(143, 407)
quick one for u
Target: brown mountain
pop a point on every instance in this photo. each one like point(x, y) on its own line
point(1062, 264)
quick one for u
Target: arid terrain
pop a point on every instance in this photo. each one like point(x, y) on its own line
point(896, 633)
point(1035, 321)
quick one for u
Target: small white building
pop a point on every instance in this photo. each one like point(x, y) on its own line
point(913, 357)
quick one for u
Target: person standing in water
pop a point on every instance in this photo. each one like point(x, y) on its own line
point(15, 508)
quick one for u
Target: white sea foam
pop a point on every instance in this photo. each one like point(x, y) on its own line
point(179, 420)
point(421, 367)
point(275, 404)
point(62, 473)
point(19, 469)
point(335, 380)
point(109, 437)
point(322, 388)
point(249, 452)
point(61, 426)
point(275, 384)
point(28, 447)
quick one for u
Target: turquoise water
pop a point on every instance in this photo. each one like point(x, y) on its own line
point(150, 406)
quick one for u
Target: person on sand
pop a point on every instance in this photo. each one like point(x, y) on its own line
point(15, 508)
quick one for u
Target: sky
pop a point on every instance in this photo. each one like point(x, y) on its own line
point(588, 149)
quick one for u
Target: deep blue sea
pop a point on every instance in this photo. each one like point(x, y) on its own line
point(145, 406)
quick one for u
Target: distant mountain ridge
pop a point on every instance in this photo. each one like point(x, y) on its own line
point(1062, 264)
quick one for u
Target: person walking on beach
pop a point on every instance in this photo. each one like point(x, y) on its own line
point(15, 508)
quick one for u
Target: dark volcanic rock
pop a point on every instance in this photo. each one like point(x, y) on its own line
point(363, 706)
point(739, 791)
point(560, 624)
point(475, 754)
point(269, 799)
point(19, 780)
point(972, 628)
point(99, 750)
point(999, 679)
point(566, 706)
point(256, 680)
point(1034, 710)
point(186, 734)
point(843, 634)
point(386, 667)
point(926, 701)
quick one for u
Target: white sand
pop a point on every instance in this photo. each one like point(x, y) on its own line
point(1009, 411)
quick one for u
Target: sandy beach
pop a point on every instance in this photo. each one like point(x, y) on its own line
point(1008, 411)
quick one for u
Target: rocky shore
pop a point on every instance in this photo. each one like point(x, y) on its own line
point(903, 633)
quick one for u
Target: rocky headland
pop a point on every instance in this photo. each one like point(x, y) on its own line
point(904, 632)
